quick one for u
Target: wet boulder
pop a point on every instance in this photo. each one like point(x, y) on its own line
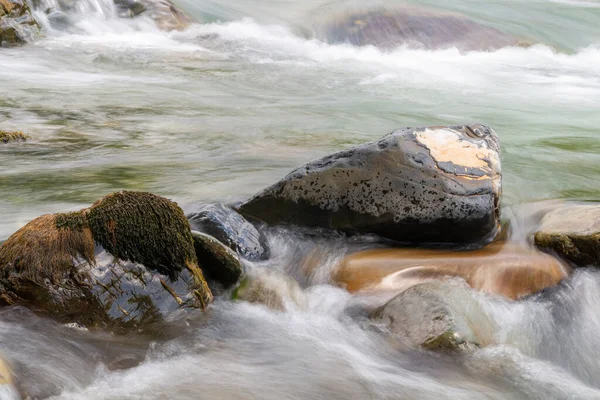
point(414, 27)
point(572, 232)
point(11, 137)
point(415, 185)
point(505, 269)
point(427, 316)
point(218, 261)
point(17, 25)
point(128, 261)
point(230, 228)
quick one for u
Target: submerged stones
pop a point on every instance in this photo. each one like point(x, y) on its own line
point(164, 13)
point(428, 316)
point(10, 137)
point(415, 185)
point(17, 25)
point(51, 264)
point(230, 228)
point(271, 289)
point(507, 269)
point(572, 232)
point(415, 27)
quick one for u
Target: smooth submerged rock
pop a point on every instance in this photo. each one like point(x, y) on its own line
point(426, 316)
point(507, 269)
point(17, 25)
point(572, 232)
point(50, 265)
point(415, 185)
point(415, 27)
point(218, 261)
point(230, 228)
point(271, 289)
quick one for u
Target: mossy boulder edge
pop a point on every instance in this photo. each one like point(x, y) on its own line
point(148, 270)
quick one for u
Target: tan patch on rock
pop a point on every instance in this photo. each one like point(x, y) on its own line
point(445, 145)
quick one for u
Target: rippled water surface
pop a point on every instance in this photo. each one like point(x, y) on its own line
point(229, 105)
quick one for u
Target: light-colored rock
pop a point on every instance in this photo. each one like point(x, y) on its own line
point(572, 232)
point(433, 316)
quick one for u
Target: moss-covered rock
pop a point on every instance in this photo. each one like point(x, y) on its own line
point(8, 137)
point(148, 270)
point(143, 228)
point(218, 261)
point(572, 232)
point(17, 25)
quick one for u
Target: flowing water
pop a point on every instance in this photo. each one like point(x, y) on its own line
point(229, 105)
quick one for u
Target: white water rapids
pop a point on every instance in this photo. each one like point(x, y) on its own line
point(229, 105)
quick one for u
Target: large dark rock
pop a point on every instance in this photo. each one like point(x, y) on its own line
point(230, 228)
point(428, 316)
point(417, 185)
point(218, 261)
point(572, 232)
point(414, 27)
point(149, 269)
point(17, 25)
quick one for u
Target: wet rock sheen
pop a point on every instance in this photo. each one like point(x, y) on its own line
point(415, 185)
point(128, 261)
point(230, 228)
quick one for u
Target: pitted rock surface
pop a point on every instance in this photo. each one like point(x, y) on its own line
point(415, 185)
point(415, 27)
point(230, 228)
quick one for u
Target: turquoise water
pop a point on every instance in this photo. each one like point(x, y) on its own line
point(231, 104)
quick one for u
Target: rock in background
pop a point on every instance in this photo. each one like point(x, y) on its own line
point(414, 27)
point(572, 232)
point(416, 185)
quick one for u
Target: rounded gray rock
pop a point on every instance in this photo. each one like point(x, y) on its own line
point(229, 227)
